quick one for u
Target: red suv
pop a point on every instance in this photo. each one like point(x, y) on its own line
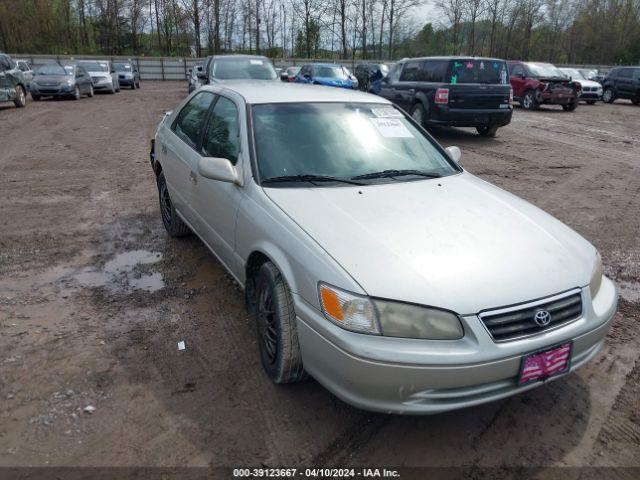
point(537, 83)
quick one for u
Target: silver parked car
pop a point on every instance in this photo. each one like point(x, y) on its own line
point(103, 74)
point(371, 259)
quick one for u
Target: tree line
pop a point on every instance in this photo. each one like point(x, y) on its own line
point(561, 31)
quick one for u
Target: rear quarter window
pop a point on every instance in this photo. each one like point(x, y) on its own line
point(435, 71)
point(411, 72)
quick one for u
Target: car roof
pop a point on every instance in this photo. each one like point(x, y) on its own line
point(238, 55)
point(455, 57)
point(257, 91)
point(337, 65)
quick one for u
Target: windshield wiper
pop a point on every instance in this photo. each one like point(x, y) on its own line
point(309, 178)
point(396, 173)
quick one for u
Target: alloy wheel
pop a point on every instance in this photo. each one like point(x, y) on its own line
point(267, 325)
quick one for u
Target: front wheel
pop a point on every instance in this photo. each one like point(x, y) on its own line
point(591, 102)
point(91, 92)
point(173, 224)
point(570, 107)
point(277, 331)
point(529, 101)
point(76, 93)
point(487, 130)
point(608, 96)
point(419, 114)
point(21, 97)
point(635, 101)
point(36, 98)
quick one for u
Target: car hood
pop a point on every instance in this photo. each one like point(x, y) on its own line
point(457, 242)
point(333, 82)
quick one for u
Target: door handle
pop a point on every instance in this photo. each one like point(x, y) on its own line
point(193, 177)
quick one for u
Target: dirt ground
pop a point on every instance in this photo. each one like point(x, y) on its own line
point(94, 297)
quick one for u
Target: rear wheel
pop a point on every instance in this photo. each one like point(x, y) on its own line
point(529, 101)
point(21, 97)
point(419, 114)
point(173, 224)
point(591, 102)
point(277, 331)
point(608, 96)
point(487, 130)
point(570, 107)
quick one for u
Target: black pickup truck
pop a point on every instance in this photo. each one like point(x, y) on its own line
point(452, 91)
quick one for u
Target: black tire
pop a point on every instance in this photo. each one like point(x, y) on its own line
point(36, 98)
point(21, 97)
point(529, 101)
point(608, 96)
point(76, 93)
point(133, 85)
point(635, 101)
point(419, 114)
point(173, 224)
point(277, 331)
point(91, 92)
point(487, 131)
point(591, 102)
point(570, 107)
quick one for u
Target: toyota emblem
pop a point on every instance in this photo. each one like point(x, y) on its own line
point(542, 318)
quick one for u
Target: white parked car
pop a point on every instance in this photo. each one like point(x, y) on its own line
point(103, 74)
point(591, 90)
point(371, 259)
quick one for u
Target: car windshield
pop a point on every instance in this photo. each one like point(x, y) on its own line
point(544, 70)
point(122, 67)
point(342, 140)
point(478, 71)
point(94, 66)
point(323, 71)
point(589, 74)
point(293, 71)
point(52, 69)
point(243, 68)
point(573, 73)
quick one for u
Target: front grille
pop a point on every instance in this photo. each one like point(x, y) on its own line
point(519, 321)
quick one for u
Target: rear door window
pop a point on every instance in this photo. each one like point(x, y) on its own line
point(479, 71)
point(435, 71)
point(190, 121)
point(625, 73)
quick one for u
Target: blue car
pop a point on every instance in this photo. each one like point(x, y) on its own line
point(329, 74)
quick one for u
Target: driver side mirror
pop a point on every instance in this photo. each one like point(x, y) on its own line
point(454, 153)
point(219, 169)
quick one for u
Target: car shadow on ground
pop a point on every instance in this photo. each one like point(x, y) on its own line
point(215, 393)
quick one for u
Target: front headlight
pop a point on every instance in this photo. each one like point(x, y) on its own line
point(391, 319)
point(596, 276)
point(415, 321)
point(348, 310)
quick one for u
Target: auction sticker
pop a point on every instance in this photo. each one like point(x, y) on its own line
point(391, 128)
point(386, 112)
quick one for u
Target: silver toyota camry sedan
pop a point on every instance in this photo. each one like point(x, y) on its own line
point(371, 259)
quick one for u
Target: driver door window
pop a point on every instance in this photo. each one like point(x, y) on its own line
point(190, 121)
point(222, 136)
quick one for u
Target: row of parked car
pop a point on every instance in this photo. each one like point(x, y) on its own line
point(447, 91)
point(69, 78)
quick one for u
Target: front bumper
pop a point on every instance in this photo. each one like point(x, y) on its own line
point(467, 117)
point(127, 82)
point(557, 98)
point(102, 84)
point(397, 375)
point(52, 90)
point(597, 95)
